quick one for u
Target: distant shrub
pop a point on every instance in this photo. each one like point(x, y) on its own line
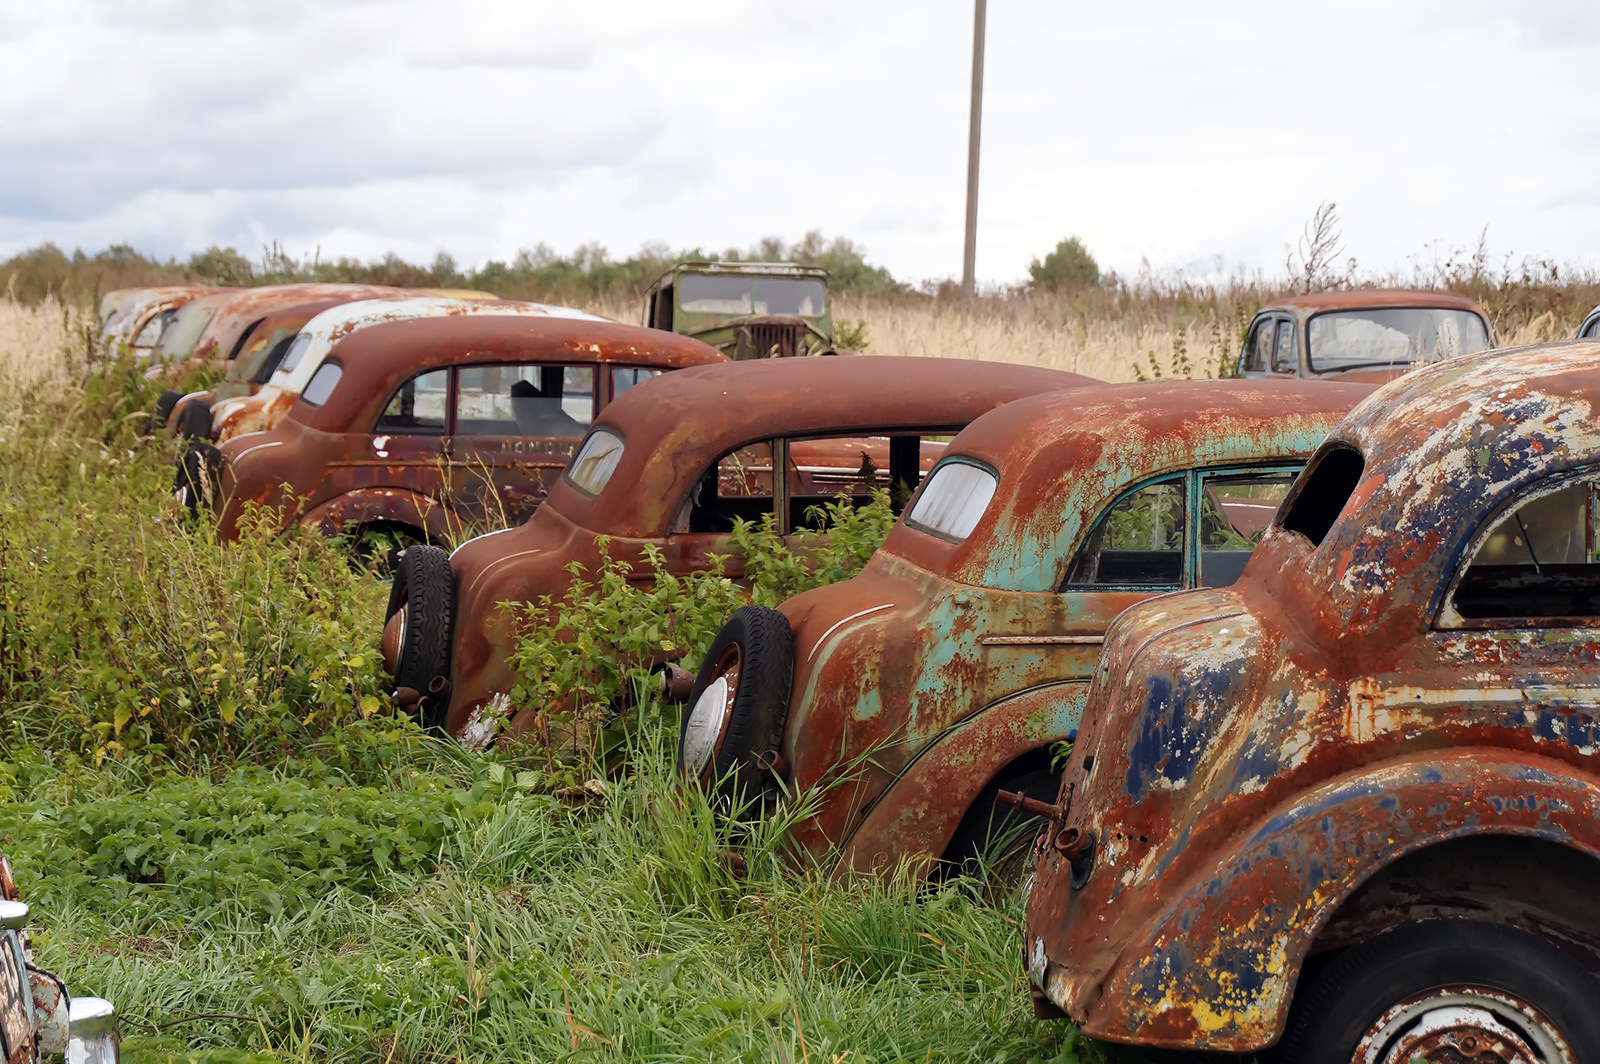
point(1069, 266)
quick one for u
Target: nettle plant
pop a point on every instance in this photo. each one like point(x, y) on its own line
point(586, 662)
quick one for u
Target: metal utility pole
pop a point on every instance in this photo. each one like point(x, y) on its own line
point(969, 256)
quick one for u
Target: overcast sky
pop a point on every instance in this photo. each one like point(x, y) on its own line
point(1173, 131)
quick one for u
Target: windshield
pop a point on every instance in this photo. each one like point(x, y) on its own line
point(735, 294)
point(1392, 336)
point(150, 335)
point(186, 328)
point(953, 499)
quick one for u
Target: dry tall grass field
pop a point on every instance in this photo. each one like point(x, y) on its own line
point(1114, 339)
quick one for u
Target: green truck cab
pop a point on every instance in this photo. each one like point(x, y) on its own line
point(745, 309)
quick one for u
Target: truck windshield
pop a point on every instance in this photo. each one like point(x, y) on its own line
point(1392, 336)
point(733, 294)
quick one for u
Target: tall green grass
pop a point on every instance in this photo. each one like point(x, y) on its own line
point(224, 827)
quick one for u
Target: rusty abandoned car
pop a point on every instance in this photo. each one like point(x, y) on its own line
point(950, 666)
point(141, 317)
point(304, 356)
point(671, 466)
point(419, 429)
point(39, 1019)
point(1369, 335)
point(745, 309)
point(1351, 805)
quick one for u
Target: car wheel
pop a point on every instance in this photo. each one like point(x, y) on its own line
point(194, 423)
point(1448, 990)
point(195, 486)
point(164, 405)
point(416, 633)
point(738, 704)
point(995, 842)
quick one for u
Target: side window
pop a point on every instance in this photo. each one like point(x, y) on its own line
point(322, 383)
point(1591, 329)
point(1235, 511)
point(625, 377)
point(1258, 347)
point(523, 400)
point(1283, 349)
point(823, 469)
point(739, 485)
point(1137, 543)
point(418, 407)
point(1539, 562)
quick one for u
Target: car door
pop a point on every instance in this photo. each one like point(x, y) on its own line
point(1194, 528)
point(513, 430)
point(405, 448)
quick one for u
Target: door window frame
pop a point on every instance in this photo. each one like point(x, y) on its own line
point(452, 396)
point(1194, 480)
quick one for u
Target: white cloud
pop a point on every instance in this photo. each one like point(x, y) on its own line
point(1173, 131)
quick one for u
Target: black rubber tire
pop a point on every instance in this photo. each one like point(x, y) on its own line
point(426, 589)
point(199, 469)
point(164, 405)
point(1330, 1016)
point(986, 822)
point(194, 423)
point(760, 703)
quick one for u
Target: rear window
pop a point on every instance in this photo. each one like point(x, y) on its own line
point(595, 461)
point(296, 352)
point(323, 383)
point(953, 500)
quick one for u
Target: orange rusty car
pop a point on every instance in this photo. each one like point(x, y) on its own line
point(1368, 335)
point(420, 429)
point(671, 465)
point(1350, 805)
point(910, 694)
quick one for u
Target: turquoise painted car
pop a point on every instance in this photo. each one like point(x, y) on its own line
point(955, 662)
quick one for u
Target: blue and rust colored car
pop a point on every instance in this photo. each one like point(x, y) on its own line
point(1351, 804)
point(954, 662)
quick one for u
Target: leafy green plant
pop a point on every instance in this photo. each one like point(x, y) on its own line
point(584, 660)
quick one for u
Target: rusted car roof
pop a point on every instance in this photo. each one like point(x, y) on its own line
point(141, 304)
point(681, 416)
point(1252, 754)
point(381, 357)
point(1053, 452)
point(222, 332)
point(1375, 297)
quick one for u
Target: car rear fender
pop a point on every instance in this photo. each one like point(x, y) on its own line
point(1216, 967)
point(915, 817)
point(396, 506)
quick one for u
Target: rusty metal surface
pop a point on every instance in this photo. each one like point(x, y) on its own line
point(249, 305)
point(923, 677)
point(264, 408)
point(1255, 762)
point(324, 465)
point(139, 305)
point(675, 429)
point(16, 1007)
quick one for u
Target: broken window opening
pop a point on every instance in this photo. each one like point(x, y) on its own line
point(1321, 492)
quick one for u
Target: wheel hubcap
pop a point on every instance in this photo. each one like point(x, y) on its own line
point(393, 640)
point(1463, 1025)
point(708, 718)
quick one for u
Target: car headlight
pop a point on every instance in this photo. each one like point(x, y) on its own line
point(92, 1027)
